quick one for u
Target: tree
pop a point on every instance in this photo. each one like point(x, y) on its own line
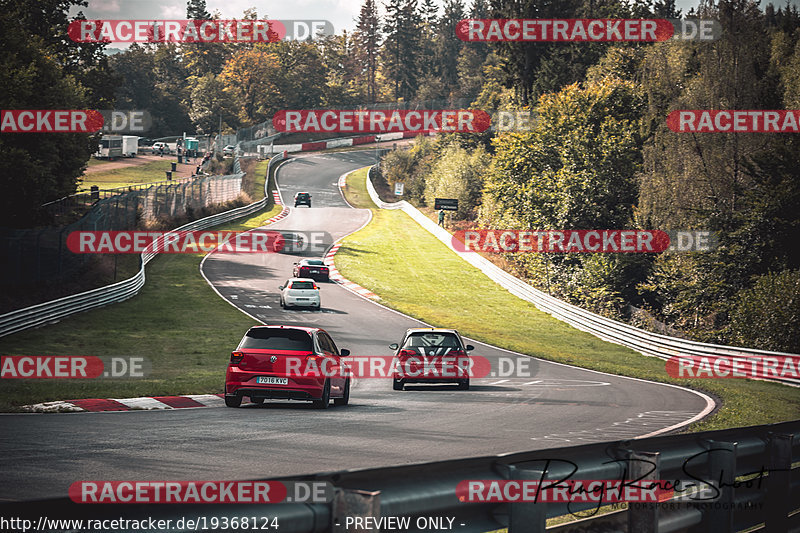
point(767, 316)
point(368, 45)
point(36, 167)
point(400, 52)
point(249, 80)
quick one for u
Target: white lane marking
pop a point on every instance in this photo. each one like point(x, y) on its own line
point(142, 403)
point(566, 383)
point(498, 382)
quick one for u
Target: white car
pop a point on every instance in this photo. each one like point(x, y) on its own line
point(300, 292)
point(228, 150)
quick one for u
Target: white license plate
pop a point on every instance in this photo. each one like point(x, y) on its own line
point(272, 381)
point(315, 271)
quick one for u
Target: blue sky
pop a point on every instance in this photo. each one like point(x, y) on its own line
point(342, 13)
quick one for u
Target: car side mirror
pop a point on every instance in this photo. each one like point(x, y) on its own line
point(394, 346)
point(470, 347)
point(344, 352)
point(280, 288)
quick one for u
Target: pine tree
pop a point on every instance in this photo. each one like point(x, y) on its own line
point(368, 42)
point(196, 9)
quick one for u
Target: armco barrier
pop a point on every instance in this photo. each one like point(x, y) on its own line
point(645, 342)
point(47, 312)
point(421, 491)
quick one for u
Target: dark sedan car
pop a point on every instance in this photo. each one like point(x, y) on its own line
point(311, 268)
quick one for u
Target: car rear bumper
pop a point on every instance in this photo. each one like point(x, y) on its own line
point(301, 303)
point(243, 383)
point(275, 394)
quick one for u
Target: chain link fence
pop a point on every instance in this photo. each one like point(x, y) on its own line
point(32, 255)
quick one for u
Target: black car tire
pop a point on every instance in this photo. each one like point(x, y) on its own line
point(257, 401)
point(233, 401)
point(318, 307)
point(397, 384)
point(463, 385)
point(325, 401)
point(345, 399)
point(283, 305)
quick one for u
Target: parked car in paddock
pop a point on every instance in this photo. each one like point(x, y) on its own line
point(300, 292)
point(311, 268)
point(302, 198)
point(441, 350)
point(280, 362)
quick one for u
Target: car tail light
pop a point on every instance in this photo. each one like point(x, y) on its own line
point(458, 353)
point(236, 357)
point(407, 353)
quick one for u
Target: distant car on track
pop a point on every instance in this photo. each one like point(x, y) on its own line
point(302, 198)
point(272, 362)
point(440, 349)
point(300, 292)
point(311, 268)
point(228, 150)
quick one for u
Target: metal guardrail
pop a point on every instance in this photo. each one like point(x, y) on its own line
point(52, 311)
point(768, 502)
point(645, 342)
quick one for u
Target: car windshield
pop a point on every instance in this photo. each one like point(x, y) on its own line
point(443, 340)
point(313, 262)
point(302, 195)
point(276, 339)
point(302, 285)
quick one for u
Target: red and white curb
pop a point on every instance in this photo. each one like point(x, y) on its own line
point(277, 198)
point(336, 277)
point(283, 214)
point(146, 403)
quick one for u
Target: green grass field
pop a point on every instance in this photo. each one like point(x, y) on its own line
point(390, 257)
point(124, 177)
point(177, 322)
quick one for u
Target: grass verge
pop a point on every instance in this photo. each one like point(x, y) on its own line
point(123, 177)
point(177, 322)
point(389, 258)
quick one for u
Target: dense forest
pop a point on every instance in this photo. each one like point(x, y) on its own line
point(599, 155)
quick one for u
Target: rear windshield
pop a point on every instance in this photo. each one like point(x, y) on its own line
point(445, 340)
point(276, 339)
point(314, 262)
point(302, 285)
point(302, 195)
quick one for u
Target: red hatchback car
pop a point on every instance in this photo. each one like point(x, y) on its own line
point(287, 362)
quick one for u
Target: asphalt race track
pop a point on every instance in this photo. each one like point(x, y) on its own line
point(41, 455)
